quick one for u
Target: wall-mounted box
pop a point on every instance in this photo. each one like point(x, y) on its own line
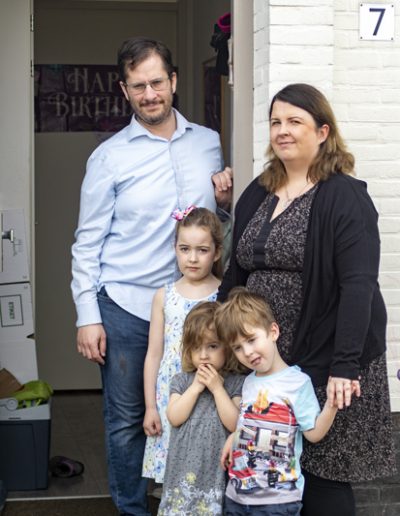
point(16, 318)
point(13, 252)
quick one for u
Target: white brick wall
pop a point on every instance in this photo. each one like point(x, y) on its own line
point(318, 42)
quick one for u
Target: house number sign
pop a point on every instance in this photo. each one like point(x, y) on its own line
point(377, 22)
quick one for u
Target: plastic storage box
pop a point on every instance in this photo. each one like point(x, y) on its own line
point(24, 446)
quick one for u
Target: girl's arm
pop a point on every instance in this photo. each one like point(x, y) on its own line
point(226, 454)
point(322, 424)
point(180, 406)
point(152, 422)
point(227, 408)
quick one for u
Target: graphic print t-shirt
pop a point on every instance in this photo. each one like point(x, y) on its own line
point(275, 410)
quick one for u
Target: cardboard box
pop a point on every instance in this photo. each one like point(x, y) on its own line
point(13, 247)
point(8, 383)
point(20, 359)
point(16, 318)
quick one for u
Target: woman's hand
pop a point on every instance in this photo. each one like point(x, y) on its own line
point(152, 422)
point(210, 377)
point(340, 390)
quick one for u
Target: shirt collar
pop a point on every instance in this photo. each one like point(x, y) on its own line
point(135, 129)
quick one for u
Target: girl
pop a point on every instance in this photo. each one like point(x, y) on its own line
point(198, 247)
point(203, 409)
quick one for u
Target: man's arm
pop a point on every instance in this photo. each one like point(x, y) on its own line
point(96, 211)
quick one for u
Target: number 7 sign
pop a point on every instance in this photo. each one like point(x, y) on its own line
point(377, 21)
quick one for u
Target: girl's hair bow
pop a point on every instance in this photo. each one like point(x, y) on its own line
point(178, 214)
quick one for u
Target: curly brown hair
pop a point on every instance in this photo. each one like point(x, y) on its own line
point(332, 156)
point(199, 327)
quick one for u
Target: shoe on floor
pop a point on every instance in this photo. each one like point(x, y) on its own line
point(63, 467)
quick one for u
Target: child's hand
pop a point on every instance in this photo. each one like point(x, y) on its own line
point(152, 422)
point(197, 384)
point(226, 454)
point(210, 377)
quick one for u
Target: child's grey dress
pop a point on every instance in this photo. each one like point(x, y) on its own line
point(194, 483)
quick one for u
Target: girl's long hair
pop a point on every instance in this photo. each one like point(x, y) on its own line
point(202, 217)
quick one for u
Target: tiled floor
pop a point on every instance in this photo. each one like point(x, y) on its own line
point(76, 432)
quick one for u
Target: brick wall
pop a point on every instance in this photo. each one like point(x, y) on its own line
point(381, 497)
point(318, 43)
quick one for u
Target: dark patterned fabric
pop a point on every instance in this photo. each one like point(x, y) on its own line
point(357, 447)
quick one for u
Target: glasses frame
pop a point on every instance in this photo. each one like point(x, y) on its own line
point(141, 87)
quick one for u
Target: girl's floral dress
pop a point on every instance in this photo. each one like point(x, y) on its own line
point(176, 307)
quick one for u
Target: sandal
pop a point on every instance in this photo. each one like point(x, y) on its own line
point(63, 467)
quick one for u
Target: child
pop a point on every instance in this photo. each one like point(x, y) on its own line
point(202, 410)
point(198, 246)
point(278, 406)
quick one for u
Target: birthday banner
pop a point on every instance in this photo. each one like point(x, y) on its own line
point(79, 98)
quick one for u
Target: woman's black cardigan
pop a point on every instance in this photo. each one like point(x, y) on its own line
point(342, 322)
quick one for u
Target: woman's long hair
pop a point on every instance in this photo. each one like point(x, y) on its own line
point(332, 156)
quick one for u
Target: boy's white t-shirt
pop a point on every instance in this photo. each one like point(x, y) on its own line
point(275, 410)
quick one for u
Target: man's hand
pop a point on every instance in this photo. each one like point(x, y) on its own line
point(91, 342)
point(223, 190)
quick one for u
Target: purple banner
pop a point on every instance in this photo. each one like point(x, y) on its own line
point(79, 98)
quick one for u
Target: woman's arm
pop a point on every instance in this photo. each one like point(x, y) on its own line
point(227, 408)
point(180, 406)
point(356, 258)
point(152, 422)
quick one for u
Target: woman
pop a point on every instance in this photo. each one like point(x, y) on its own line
point(306, 238)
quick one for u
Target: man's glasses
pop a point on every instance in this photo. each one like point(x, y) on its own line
point(140, 87)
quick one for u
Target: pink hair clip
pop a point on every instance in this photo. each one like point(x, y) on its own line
point(178, 214)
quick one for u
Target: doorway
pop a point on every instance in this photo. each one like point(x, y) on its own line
point(89, 32)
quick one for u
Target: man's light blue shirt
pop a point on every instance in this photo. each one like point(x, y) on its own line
point(125, 235)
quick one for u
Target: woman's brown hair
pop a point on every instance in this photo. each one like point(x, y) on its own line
point(332, 156)
point(205, 218)
point(199, 327)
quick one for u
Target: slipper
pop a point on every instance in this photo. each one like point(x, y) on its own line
point(63, 467)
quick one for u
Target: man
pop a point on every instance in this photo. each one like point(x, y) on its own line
point(124, 245)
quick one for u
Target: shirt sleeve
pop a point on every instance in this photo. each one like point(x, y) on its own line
point(180, 382)
point(306, 408)
point(95, 217)
point(235, 384)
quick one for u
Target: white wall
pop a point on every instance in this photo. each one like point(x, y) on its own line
point(305, 41)
point(16, 109)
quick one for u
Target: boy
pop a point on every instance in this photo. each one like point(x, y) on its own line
point(278, 406)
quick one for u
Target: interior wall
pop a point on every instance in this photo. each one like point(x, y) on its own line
point(73, 32)
point(205, 15)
